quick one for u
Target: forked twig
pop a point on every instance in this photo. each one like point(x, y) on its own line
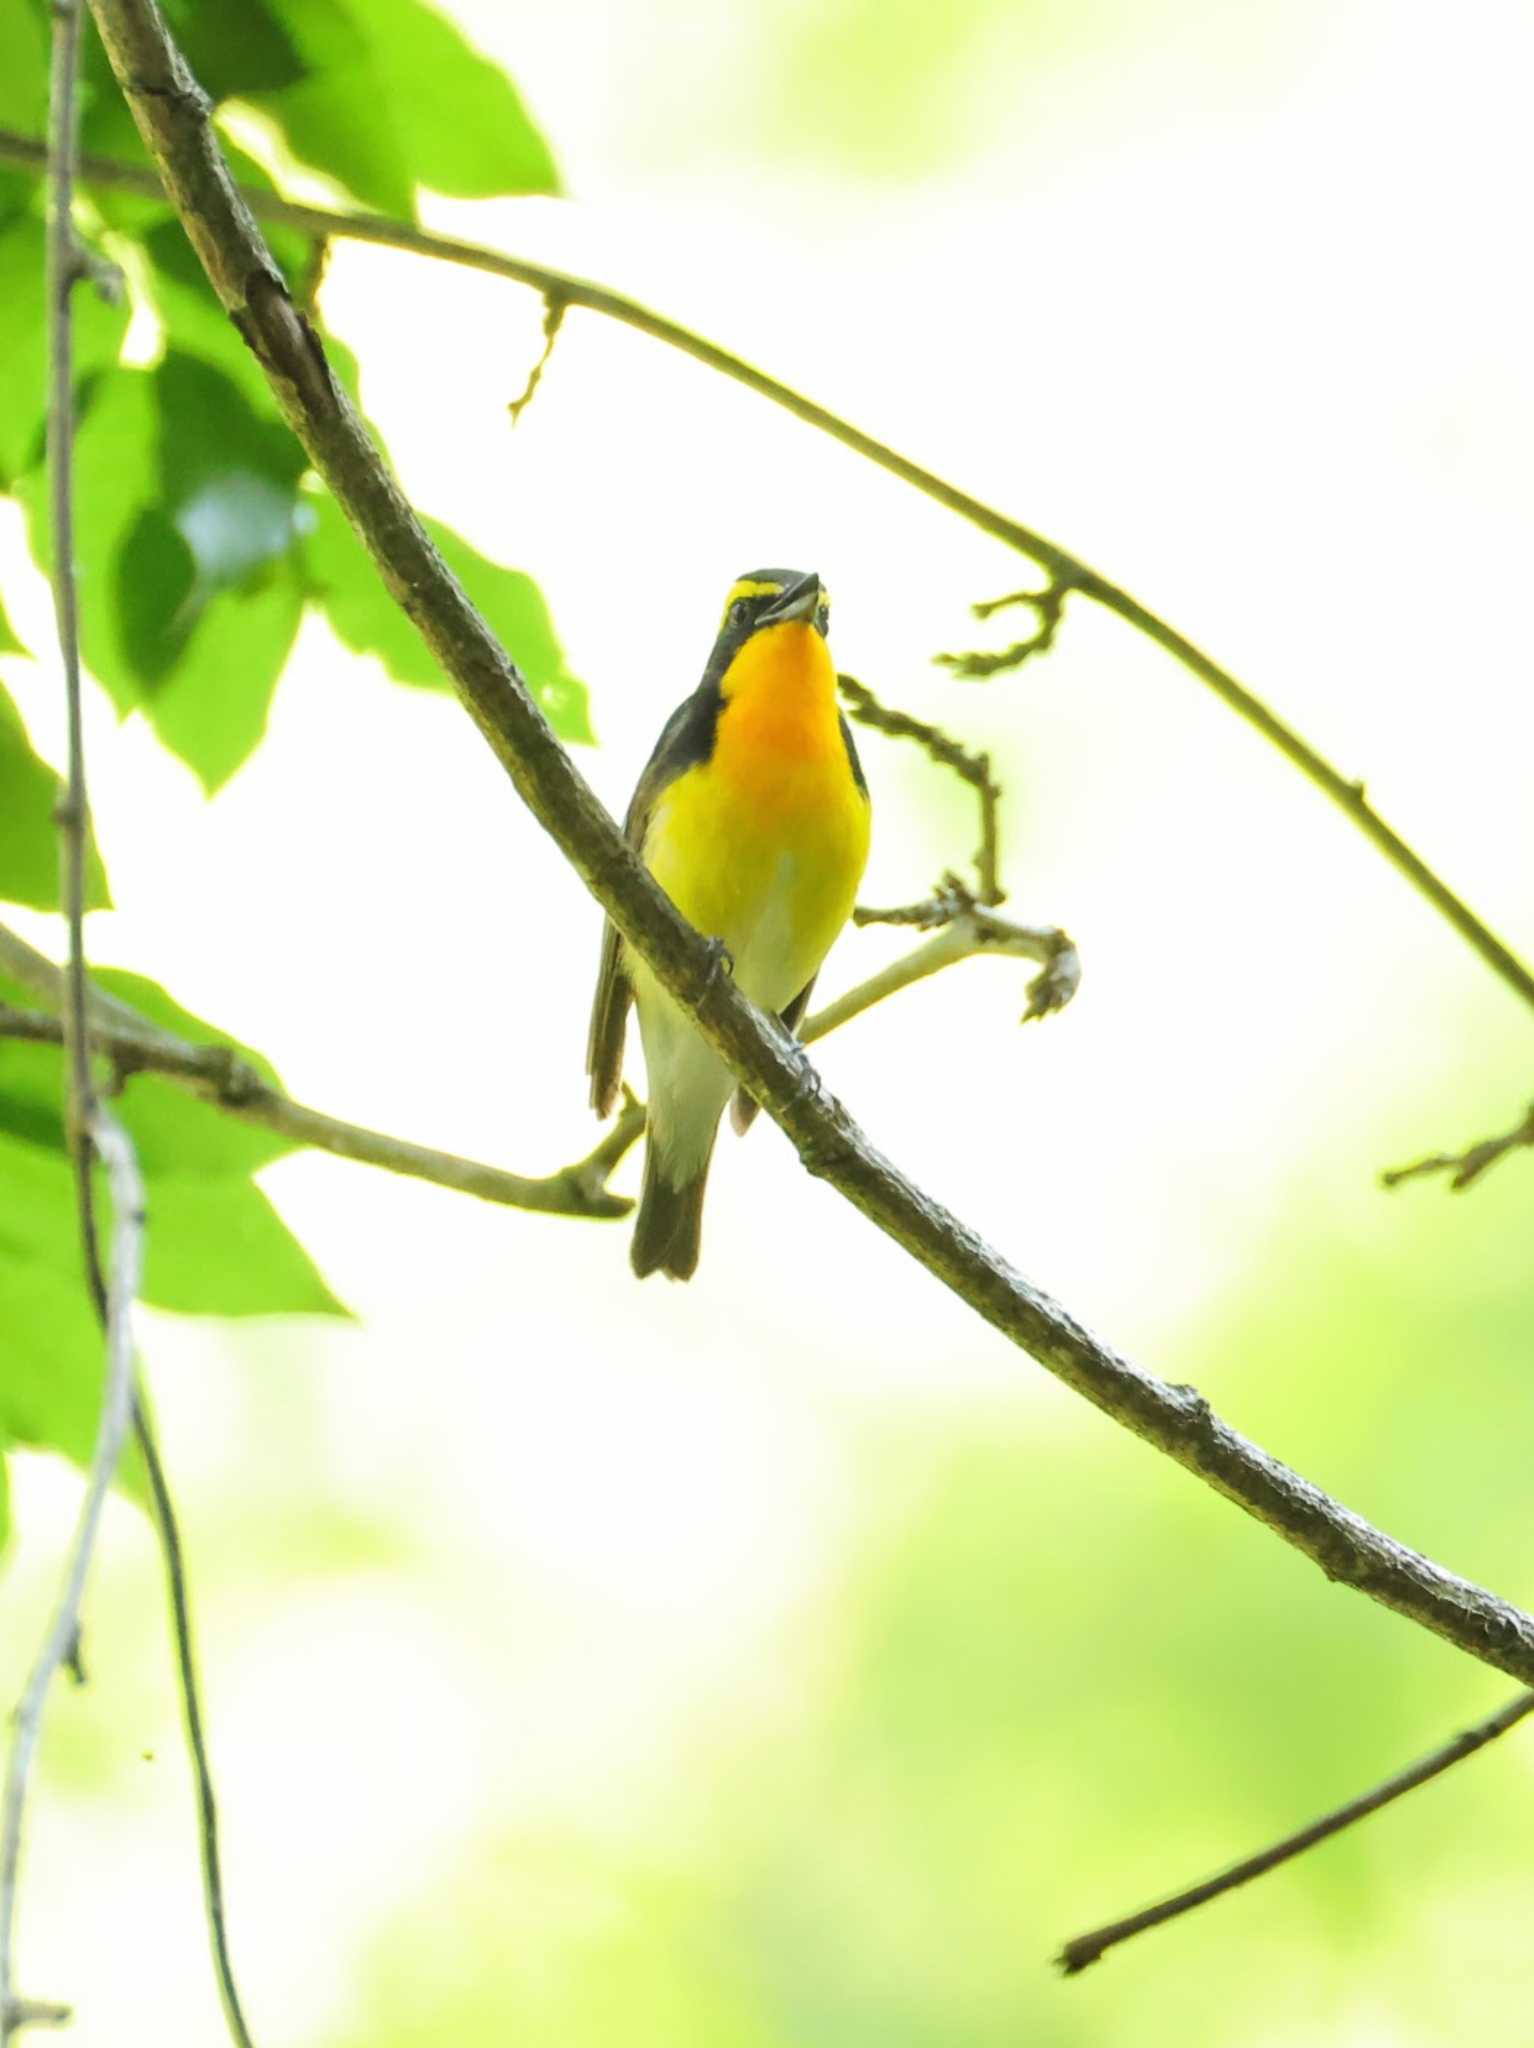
point(553, 319)
point(1464, 1168)
point(1048, 606)
point(975, 769)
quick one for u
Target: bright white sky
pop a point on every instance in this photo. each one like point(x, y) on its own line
point(1244, 322)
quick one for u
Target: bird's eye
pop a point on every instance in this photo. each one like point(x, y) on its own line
point(740, 611)
point(823, 617)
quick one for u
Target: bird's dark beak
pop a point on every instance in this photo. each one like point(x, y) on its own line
point(798, 601)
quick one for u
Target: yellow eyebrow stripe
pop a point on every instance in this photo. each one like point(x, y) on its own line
point(747, 588)
point(755, 587)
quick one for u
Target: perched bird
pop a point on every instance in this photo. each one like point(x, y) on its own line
point(752, 814)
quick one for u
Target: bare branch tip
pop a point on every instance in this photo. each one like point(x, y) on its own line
point(555, 306)
point(1053, 987)
point(1464, 1168)
point(33, 2012)
point(1048, 607)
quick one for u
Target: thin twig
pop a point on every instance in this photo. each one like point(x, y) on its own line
point(950, 899)
point(218, 1076)
point(36, 2012)
point(964, 930)
point(975, 769)
point(85, 1130)
point(1085, 1949)
point(553, 319)
point(1048, 606)
point(73, 811)
point(168, 1531)
point(1062, 569)
point(221, 1078)
point(90, 1130)
point(314, 274)
point(116, 1153)
point(1465, 1167)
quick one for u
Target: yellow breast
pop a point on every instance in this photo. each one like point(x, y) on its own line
point(764, 844)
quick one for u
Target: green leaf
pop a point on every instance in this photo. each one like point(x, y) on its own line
point(31, 1083)
point(218, 1247)
point(107, 127)
point(188, 531)
point(9, 644)
point(232, 599)
point(215, 1244)
point(338, 119)
point(163, 1011)
point(52, 1359)
point(154, 588)
point(23, 71)
point(212, 710)
point(343, 580)
point(42, 1274)
point(52, 1363)
point(464, 127)
point(115, 449)
point(39, 1220)
point(23, 359)
point(18, 194)
point(397, 97)
point(173, 1131)
point(326, 126)
point(237, 49)
point(99, 328)
point(209, 433)
point(29, 839)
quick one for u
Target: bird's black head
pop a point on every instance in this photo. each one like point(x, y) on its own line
point(774, 597)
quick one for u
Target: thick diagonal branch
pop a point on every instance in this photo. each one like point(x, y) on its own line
point(173, 117)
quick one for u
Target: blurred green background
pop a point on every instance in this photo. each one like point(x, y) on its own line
point(784, 1660)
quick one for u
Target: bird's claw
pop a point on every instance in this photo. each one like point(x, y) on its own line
point(721, 961)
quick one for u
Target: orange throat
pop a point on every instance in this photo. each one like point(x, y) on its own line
point(779, 732)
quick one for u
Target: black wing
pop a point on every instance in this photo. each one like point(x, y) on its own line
point(687, 738)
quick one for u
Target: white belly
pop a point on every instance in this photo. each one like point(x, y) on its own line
point(689, 1085)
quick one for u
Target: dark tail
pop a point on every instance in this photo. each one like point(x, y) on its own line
point(669, 1226)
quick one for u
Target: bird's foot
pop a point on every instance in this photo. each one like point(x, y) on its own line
point(721, 962)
